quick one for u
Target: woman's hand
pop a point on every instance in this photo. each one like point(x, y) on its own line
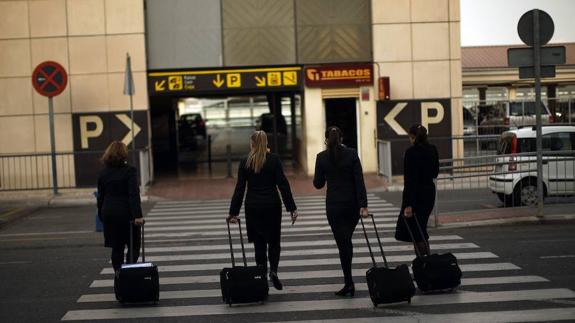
point(233, 218)
point(294, 215)
point(363, 212)
point(408, 212)
point(139, 221)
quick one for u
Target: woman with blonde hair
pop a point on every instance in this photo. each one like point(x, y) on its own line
point(263, 174)
point(119, 204)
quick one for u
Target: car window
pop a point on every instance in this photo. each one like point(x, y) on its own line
point(524, 108)
point(504, 145)
point(526, 145)
point(559, 141)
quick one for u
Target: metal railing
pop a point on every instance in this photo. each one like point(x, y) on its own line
point(511, 177)
point(26, 172)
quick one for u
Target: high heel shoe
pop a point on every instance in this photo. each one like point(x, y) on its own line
point(347, 289)
point(276, 281)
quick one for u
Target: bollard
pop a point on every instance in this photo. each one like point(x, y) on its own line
point(229, 159)
point(99, 225)
point(210, 154)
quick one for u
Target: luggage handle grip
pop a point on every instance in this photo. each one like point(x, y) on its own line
point(418, 254)
point(378, 241)
point(241, 241)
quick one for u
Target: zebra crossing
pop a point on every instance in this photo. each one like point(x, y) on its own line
point(188, 242)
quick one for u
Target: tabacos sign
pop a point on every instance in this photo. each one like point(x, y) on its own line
point(339, 75)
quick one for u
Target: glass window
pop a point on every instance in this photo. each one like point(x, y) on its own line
point(559, 141)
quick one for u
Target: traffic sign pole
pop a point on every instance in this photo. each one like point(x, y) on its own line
point(539, 141)
point(53, 145)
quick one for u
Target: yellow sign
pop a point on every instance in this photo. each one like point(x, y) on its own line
point(234, 80)
point(218, 82)
point(260, 81)
point(290, 78)
point(175, 83)
point(274, 78)
point(160, 85)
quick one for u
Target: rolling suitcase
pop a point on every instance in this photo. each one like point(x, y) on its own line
point(245, 284)
point(137, 282)
point(387, 285)
point(435, 272)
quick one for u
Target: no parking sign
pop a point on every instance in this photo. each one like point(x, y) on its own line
point(49, 79)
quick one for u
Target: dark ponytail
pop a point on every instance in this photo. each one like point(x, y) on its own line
point(333, 139)
point(419, 132)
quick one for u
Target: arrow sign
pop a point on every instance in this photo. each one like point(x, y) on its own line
point(128, 123)
point(218, 82)
point(160, 85)
point(260, 81)
point(390, 119)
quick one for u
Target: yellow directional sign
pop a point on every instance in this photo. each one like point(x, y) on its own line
point(290, 78)
point(160, 85)
point(218, 82)
point(186, 82)
point(175, 83)
point(234, 79)
point(260, 81)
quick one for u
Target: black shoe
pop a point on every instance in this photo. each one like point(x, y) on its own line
point(347, 289)
point(276, 281)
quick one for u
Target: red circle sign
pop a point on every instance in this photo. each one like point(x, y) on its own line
point(49, 78)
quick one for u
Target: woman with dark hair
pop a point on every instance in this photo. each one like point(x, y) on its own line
point(346, 199)
point(263, 174)
point(119, 204)
point(421, 167)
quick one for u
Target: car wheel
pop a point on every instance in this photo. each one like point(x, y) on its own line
point(526, 193)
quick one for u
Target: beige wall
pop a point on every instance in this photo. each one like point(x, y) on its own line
point(90, 39)
point(417, 44)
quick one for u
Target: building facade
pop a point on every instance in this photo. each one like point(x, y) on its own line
point(236, 63)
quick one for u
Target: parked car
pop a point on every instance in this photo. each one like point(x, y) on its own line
point(189, 127)
point(522, 113)
point(515, 177)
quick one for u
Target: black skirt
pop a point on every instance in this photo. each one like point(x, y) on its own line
point(422, 209)
point(117, 233)
point(264, 222)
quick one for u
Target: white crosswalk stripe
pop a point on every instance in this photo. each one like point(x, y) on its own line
point(188, 242)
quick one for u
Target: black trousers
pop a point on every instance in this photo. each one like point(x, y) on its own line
point(343, 220)
point(267, 249)
point(118, 251)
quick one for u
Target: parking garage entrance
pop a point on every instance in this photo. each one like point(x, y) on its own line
point(201, 120)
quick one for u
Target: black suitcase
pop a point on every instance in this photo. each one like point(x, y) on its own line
point(137, 282)
point(245, 284)
point(435, 272)
point(387, 285)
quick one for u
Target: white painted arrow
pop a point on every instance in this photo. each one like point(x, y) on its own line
point(128, 123)
point(390, 119)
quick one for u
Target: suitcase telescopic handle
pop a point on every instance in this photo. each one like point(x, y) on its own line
point(417, 252)
point(378, 241)
point(241, 242)
point(132, 243)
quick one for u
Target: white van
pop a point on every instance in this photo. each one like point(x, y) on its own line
point(516, 183)
point(522, 113)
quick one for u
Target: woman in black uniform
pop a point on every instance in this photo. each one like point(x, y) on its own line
point(346, 199)
point(119, 204)
point(421, 167)
point(263, 174)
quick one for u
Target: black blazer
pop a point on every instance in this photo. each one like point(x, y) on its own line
point(262, 187)
point(421, 166)
point(119, 194)
point(345, 183)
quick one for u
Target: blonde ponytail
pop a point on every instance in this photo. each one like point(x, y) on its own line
point(257, 155)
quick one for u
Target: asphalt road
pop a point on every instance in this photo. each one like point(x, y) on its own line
point(49, 258)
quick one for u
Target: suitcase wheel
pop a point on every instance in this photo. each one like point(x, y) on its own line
point(409, 301)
